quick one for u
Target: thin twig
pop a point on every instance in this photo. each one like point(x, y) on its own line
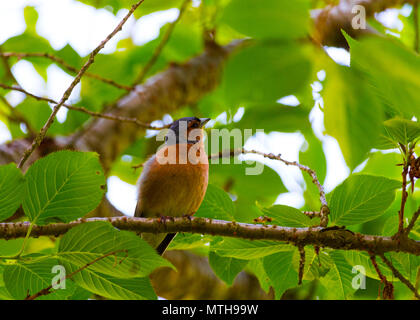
point(397, 274)
point(22, 55)
point(404, 195)
point(301, 263)
point(47, 290)
point(87, 111)
point(161, 45)
point(388, 292)
point(312, 214)
point(40, 137)
point(324, 205)
point(412, 221)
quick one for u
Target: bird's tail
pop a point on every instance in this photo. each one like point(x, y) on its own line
point(155, 240)
point(165, 243)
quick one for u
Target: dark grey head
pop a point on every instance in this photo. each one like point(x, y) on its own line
point(180, 129)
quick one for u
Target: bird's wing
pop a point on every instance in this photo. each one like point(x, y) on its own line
point(138, 212)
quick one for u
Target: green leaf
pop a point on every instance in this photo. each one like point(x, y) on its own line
point(269, 18)
point(63, 186)
point(312, 155)
point(274, 117)
point(114, 288)
point(89, 241)
point(408, 264)
point(147, 7)
point(353, 114)
point(398, 86)
point(226, 268)
point(402, 130)
point(361, 198)
point(339, 277)
point(216, 205)
point(10, 247)
point(4, 294)
point(264, 187)
point(23, 278)
point(256, 266)
point(247, 249)
point(354, 258)
point(390, 226)
point(11, 190)
point(68, 54)
point(279, 268)
point(31, 17)
point(188, 241)
point(36, 112)
point(289, 217)
point(319, 265)
point(265, 73)
point(384, 164)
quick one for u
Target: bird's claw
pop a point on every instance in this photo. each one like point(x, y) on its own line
point(163, 219)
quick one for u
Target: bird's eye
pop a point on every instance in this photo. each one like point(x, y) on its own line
point(194, 125)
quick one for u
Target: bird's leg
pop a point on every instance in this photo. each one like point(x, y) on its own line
point(163, 219)
point(188, 216)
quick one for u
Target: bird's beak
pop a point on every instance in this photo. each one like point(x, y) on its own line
point(203, 122)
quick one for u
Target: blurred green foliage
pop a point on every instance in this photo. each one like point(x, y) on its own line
point(370, 107)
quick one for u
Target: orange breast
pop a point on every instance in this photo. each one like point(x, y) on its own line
point(173, 183)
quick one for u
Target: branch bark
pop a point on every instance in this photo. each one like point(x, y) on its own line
point(329, 21)
point(331, 238)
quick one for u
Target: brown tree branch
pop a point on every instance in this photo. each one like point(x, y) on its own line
point(329, 21)
point(331, 238)
point(38, 139)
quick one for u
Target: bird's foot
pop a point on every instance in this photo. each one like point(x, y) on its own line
point(163, 219)
point(188, 216)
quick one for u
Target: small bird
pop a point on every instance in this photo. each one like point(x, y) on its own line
point(174, 180)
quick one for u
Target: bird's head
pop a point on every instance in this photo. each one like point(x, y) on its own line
point(186, 130)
